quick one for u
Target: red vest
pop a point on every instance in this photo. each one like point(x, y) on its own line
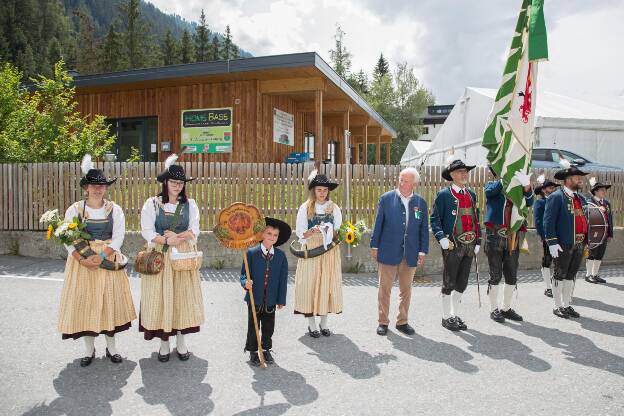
point(580, 221)
point(464, 202)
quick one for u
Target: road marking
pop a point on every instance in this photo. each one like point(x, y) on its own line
point(16, 276)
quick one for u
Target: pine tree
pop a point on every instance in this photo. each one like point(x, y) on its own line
point(235, 51)
point(227, 44)
point(170, 49)
point(382, 67)
point(186, 49)
point(339, 56)
point(135, 37)
point(215, 48)
point(87, 56)
point(202, 40)
point(111, 57)
point(26, 62)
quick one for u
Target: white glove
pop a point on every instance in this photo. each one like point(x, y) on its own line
point(444, 243)
point(477, 248)
point(554, 250)
point(524, 179)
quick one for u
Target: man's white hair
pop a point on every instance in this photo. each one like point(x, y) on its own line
point(411, 171)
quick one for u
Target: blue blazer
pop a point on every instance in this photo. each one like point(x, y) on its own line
point(444, 214)
point(558, 220)
point(538, 216)
point(278, 277)
point(495, 201)
point(392, 241)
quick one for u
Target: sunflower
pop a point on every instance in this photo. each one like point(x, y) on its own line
point(349, 237)
point(72, 225)
point(50, 231)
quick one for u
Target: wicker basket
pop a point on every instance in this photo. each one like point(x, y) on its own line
point(186, 261)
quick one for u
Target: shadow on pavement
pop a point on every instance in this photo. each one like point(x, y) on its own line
point(176, 384)
point(340, 351)
point(613, 328)
point(437, 352)
point(87, 391)
point(499, 347)
point(576, 348)
point(599, 305)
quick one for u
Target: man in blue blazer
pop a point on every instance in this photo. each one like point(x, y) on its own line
point(268, 269)
point(544, 188)
point(399, 243)
point(455, 224)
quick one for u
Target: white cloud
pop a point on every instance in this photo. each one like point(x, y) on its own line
point(452, 44)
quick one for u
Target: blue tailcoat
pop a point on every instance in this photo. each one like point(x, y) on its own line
point(559, 223)
point(444, 214)
point(278, 277)
point(495, 201)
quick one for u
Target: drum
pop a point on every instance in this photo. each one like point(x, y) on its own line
point(597, 225)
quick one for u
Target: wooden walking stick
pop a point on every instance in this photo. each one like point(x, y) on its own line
point(239, 227)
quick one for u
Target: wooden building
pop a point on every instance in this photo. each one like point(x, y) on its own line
point(144, 108)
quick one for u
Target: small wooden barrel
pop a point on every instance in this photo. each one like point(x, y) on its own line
point(149, 262)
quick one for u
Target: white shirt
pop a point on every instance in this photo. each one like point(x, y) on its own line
point(569, 192)
point(458, 189)
point(265, 251)
point(405, 200)
point(148, 218)
point(119, 223)
point(302, 218)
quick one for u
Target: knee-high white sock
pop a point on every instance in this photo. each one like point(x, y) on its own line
point(508, 292)
point(89, 345)
point(164, 347)
point(596, 267)
point(323, 323)
point(568, 285)
point(493, 295)
point(546, 277)
point(456, 298)
point(447, 307)
point(589, 266)
point(312, 324)
point(181, 343)
point(110, 344)
point(558, 293)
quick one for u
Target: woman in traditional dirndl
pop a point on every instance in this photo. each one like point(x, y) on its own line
point(318, 280)
point(171, 301)
point(95, 301)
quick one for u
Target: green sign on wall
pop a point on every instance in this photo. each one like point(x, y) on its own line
point(207, 130)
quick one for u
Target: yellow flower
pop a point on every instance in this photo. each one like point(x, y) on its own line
point(49, 233)
point(350, 237)
point(72, 225)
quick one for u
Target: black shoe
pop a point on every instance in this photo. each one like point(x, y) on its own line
point(591, 279)
point(497, 316)
point(163, 358)
point(406, 329)
point(561, 313)
point(86, 361)
point(314, 334)
point(599, 279)
point(548, 292)
point(268, 358)
point(325, 332)
point(511, 314)
point(572, 313)
point(254, 359)
point(461, 323)
point(185, 356)
point(451, 324)
point(382, 330)
point(114, 358)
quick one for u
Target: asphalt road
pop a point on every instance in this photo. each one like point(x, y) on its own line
point(542, 366)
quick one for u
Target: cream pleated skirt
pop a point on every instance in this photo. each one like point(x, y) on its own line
point(171, 301)
point(96, 301)
point(318, 282)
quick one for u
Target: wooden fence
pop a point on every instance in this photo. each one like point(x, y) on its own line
point(29, 189)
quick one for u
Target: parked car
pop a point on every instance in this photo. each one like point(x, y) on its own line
point(544, 158)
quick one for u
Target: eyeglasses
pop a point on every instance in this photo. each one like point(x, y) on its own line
point(175, 183)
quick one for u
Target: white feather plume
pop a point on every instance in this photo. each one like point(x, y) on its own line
point(564, 163)
point(541, 178)
point(170, 160)
point(312, 175)
point(450, 159)
point(87, 164)
point(592, 182)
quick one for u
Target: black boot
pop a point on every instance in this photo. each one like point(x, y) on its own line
point(451, 324)
point(497, 316)
point(599, 279)
point(572, 313)
point(86, 361)
point(512, 315)
point(561, 313)
point(114, 358)
point(254, 359)
point(382, 330)
point(548, 292)
point(591, 279)
point(268, 358)
point(461, 323)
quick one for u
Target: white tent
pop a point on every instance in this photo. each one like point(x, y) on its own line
point(414, 151)
point(591, 130)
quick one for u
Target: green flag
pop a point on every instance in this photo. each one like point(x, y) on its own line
point(509, 131)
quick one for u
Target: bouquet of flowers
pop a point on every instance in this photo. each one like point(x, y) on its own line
point(66, 232)
point(352, 233)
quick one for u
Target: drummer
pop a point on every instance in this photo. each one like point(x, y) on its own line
point(597, 248)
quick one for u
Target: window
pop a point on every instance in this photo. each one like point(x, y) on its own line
point(331, 151)
point(135, 133)
point(541, 155)
point(308, 144)
point(571, 156)
point(425, 130)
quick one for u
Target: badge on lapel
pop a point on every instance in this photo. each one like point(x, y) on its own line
point(417, 213)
